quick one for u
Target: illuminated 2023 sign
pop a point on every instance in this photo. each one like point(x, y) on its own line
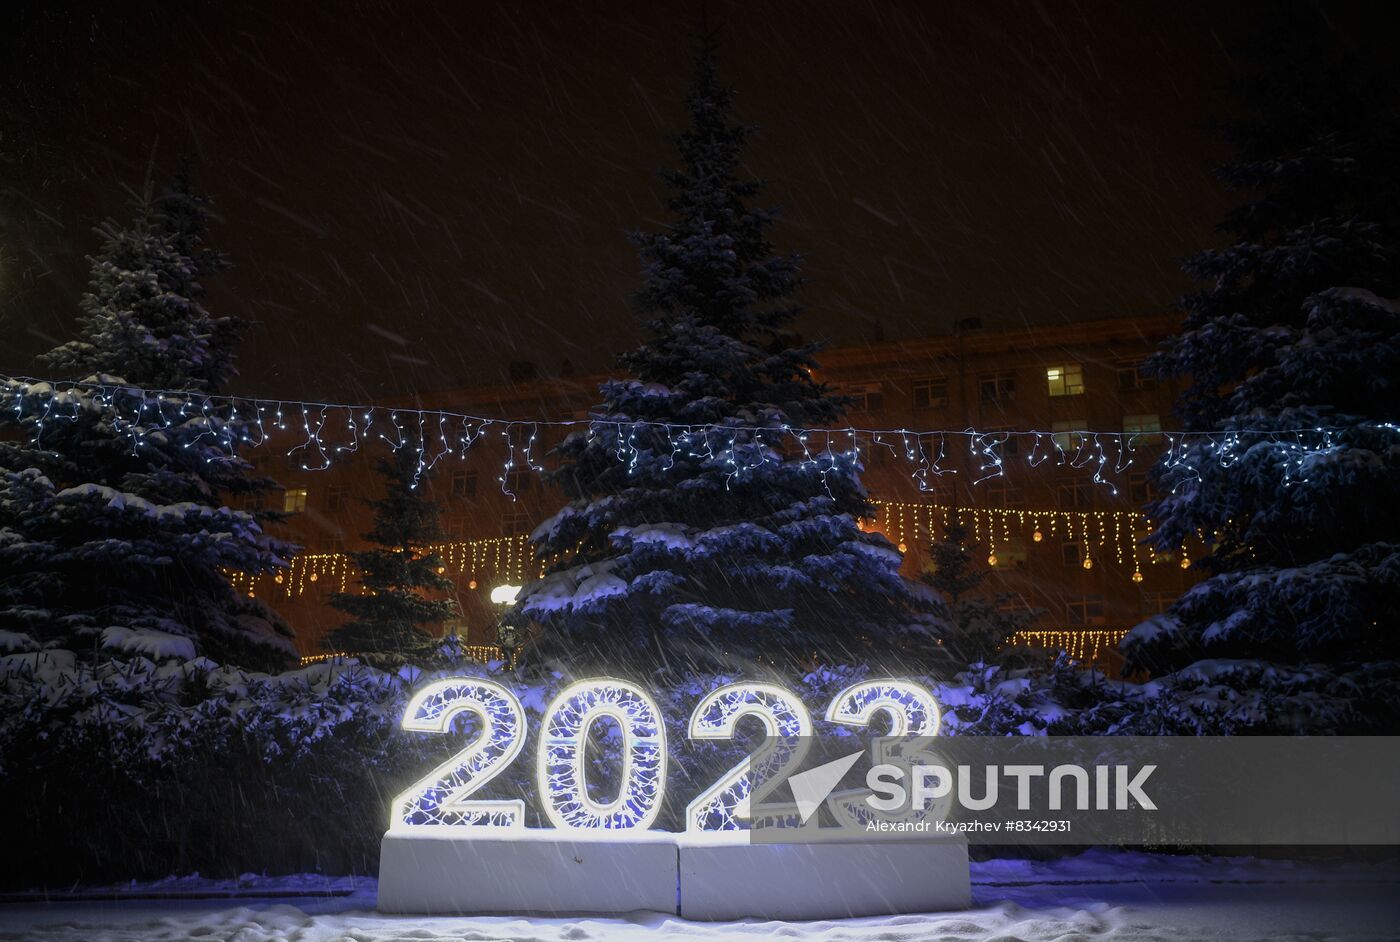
point(443, 798)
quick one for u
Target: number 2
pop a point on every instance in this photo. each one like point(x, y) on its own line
point(727, 804)
point(439, 798)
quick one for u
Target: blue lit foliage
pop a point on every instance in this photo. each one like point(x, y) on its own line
point(710, 547)
point(115, 521)
point(1294, 355)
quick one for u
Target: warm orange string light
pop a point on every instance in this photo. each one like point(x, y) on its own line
point(1082, 644)
point(504, 558)
point(1120, 530)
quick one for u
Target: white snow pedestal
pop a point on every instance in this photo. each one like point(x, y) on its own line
point(828, 879)
point(722, 878)
point(528, 872)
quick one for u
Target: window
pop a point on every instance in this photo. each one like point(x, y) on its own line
point(1147, 422)
point(337, 498)
point(514, 523)
point(1157, 603)
point(1132, 376)
point(1010, 448)
point(999, 387)
point(1009, 554)
point(294, 500)
point(456, 528)
point(1069, 553)
point(463, 483)
point(938, 492)
point(1084, 612)
point(517, 482)
point(1075, 495)
point(1067, 380)
point(868, 398)
point(1140, 489)
point(930, 393)
point(1065, 434)
point(1001, 493)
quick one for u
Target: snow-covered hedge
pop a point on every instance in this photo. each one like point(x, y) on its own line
point(138, 766)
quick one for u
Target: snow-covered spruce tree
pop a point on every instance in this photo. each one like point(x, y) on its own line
point(713, 549)
point(1290, 333)
point(978, 629)
point(115, 524)
point(386, 626)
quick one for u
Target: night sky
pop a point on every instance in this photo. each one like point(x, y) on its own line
point(415, 195)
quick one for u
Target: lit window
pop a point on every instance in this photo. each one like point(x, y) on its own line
point(930, 393)
point(513, 524)
point(1067, 380)
point(1084, 612)
point(1141, 424)
point(463, 484)
point(1133, 376)
point(1000, 387)
point(294, 500)
point(868, 398)
point(1066, 434)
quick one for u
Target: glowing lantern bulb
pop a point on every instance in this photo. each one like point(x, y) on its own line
point(1137, 577)
point(903, 548)
point(277, 578)
point(472, 584)
point(315, 576)
point(1088, 562)
point(992, 559)
point(1185, 563)
point(441, 570)
point(1037, 536)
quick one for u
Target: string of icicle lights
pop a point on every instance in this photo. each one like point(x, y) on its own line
point(324, 432)
point(1082, 644)
point(484, 563)
point(1098, 533)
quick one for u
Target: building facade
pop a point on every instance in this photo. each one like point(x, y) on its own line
point(1058, 542)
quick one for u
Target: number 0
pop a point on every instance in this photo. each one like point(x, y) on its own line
point(563, 775)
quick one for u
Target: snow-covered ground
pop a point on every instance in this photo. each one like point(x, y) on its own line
point(1098, 895)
